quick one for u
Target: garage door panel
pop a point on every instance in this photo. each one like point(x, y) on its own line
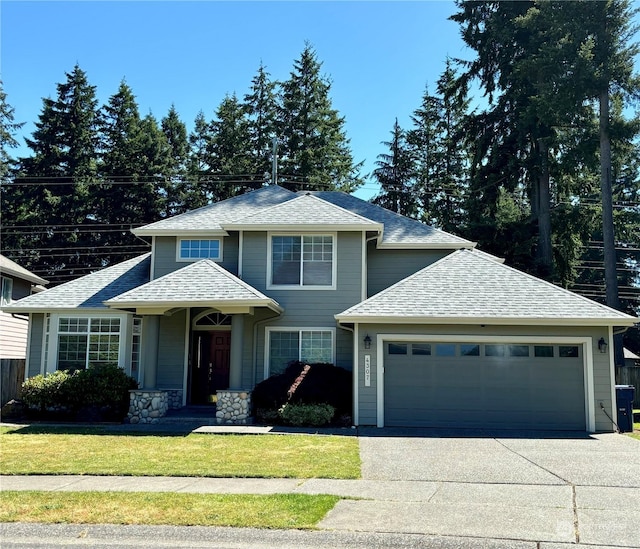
point(479, 391)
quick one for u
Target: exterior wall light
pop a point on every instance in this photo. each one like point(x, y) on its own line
point(367, 342)
point(602, 345)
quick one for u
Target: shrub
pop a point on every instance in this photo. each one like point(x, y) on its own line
point(304, 384)
point(307, 414)
point(97, 393)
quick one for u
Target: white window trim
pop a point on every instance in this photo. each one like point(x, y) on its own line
point(52, 354)
point(181, 259)
point(334, 262)
point(6, 283)
point(587, 360)
point(267, 341)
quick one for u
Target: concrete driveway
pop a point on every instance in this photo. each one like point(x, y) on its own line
point(549, 489)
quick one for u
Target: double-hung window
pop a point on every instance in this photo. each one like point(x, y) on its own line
point(312, 346)
point(84, 342)
point(302, 261)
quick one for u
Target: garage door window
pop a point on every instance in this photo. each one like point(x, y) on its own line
point(469, 350)
point(421, 349)
point(445, 349)
point(494, 350)
point(543, 351)
point(569, 351)
point(519, 350)
point(397, 348)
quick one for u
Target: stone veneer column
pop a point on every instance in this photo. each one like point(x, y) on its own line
point(147, 406)
point(233, 407)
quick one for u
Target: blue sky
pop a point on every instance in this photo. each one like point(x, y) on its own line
point(379, 55)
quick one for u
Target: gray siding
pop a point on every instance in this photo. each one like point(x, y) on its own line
point(308, 308)
point(367, 396)
point(164, 257)
point(386, 267)
point(35, 344)
point(171, 346)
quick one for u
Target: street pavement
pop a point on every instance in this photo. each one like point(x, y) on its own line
point(419, 488)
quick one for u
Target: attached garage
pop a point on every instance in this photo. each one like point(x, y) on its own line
point(493, 385)
point(468, 342)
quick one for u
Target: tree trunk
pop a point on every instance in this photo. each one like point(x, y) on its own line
point(608, 236)
point(545, 251)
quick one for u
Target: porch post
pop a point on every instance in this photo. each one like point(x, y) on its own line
point(150, 338)
point(237, 337)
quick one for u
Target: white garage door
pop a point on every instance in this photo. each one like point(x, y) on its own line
point(484, 385)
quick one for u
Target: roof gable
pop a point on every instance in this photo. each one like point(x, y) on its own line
point(204, 283)
point(211, 218)
point(304, 210)
point(470, 287)
point(88, 292)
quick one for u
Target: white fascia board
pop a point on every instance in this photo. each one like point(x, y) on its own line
point(179, 232)
point(496, 321)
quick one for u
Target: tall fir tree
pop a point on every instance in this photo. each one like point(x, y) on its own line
point(395, 174)
point(8, 129)
point(261, 106)
point(59, 174)
point(175, 133)
point(314, 150)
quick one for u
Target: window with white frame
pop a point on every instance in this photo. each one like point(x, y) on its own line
point(7, 290)
point(136, 343)
point(287, 345)
point(85, 341)
point(302, 260)
point(195, 249)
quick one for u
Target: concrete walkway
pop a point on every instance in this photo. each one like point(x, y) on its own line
point(550, 490)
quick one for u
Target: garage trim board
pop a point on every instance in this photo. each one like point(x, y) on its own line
point(586, 344)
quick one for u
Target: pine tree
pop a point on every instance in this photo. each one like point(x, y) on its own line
point(175, 132)
point(194, 191)
point(314, 149)
point(8, 128)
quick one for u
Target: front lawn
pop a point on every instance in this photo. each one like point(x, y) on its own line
point(90, 451)
point(274, 511)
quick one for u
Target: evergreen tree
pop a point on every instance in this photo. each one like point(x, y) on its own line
point(194, 191)
point(395, 174)
point(261, 106)
point(314, 149)
point(175, 132)
point(229, 149)
point(8, 128)
point(58, 177)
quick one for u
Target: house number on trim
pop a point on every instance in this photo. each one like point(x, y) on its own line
point(367, 370)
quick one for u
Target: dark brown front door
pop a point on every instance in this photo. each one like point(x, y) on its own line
point(211, 365)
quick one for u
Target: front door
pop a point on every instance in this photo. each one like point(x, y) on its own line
point(210, 365)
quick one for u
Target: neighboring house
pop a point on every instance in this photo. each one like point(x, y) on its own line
point(435, 332)
point(17, 282)
point(630, 358)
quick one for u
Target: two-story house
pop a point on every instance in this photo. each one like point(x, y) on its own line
point(435, 332)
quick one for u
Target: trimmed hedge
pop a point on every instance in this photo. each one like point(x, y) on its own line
point(96, 394)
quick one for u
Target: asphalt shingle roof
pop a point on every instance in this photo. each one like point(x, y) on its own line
point(213, 216)
point(88, 292)
point(468, 286)
point(11, 268)
point(304, 209)
point(203, 282)
point(398, 229)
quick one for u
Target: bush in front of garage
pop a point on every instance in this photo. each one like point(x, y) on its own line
point(308, 385)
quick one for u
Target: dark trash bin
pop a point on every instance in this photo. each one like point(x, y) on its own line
point(624, 406)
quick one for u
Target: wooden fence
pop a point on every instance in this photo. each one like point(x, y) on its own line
point(626, 375)
point(11, 378)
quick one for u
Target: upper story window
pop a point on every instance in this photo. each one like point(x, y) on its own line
point(193, 250)
point(299, 261)
point(7, 290)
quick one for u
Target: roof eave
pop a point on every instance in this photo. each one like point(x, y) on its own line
point(426, 245)
point(33, 278)
point(179, 232)
point(304, 227)
point(160, 307)
point(496, 321)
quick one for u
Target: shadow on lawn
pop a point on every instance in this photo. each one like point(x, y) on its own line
point(103, 429)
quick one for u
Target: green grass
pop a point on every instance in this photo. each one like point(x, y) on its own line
point(87, 451)
point(274, 511)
